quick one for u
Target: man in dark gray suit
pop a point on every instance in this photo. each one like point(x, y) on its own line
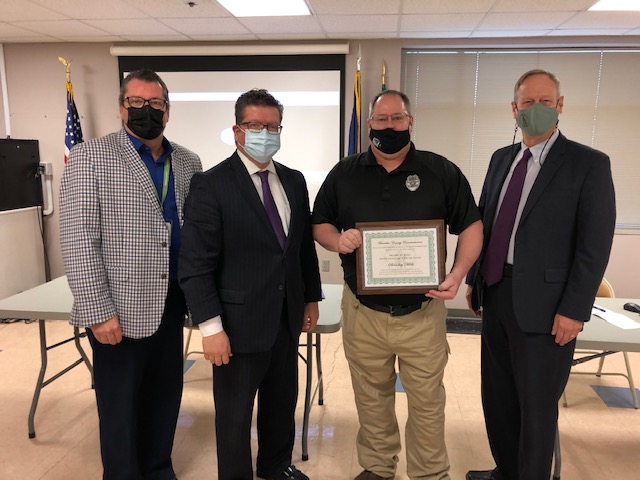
point(548, 209)
point(121, 201)
point(249, 270)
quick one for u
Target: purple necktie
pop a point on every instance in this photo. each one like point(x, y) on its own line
point(270, 207)
point(496, 254)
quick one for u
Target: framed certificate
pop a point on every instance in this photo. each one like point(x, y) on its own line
point(400, 256)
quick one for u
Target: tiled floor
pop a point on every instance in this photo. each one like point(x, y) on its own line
point(598, 442)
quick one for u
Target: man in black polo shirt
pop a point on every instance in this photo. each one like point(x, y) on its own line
point(394, 181)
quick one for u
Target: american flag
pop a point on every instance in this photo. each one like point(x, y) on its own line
point(73, 133)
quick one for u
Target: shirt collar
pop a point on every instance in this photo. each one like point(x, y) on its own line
point(252, 167)
point(540, 151)
point(408, 164)
point(140, 145)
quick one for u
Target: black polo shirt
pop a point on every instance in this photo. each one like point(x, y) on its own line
point(426, 186)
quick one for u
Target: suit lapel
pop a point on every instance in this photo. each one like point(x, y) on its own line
point(288, 183)
point(177, 166)
point(493, 193)
point(552, 163)
point(249, 193)
point(137, 167)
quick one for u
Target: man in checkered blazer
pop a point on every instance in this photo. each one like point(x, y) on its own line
point(121, 201)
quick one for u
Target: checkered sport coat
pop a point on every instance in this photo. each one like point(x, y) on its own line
point(115, 243)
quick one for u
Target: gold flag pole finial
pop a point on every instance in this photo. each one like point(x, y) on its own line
point(67, 65)
point(384, 73)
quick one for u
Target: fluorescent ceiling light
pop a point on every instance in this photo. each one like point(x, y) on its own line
point(617, 6)
point(260, 8)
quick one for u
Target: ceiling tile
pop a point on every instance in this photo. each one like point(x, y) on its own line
point(445, 22)
point(206, 26)
point(179, 8)
point(293, 36)
point(281, 25)
point(361, 35)
point(132, 26)
point(597, 20)
point(509, 33)
point(14, 10)
point(352, 24)
point(363, 8)
point(156, 38)
point(447, 6)
point(91, 38)
point(587, 32)
point(83, 9)
point(438, 34)
point(31, 39)
point(223, 37)
point(542, 5)
point(530, 21)
point(62, 28)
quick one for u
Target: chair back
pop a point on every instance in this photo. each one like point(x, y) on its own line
point(605, 289)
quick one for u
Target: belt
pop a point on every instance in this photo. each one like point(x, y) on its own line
point(393, 310)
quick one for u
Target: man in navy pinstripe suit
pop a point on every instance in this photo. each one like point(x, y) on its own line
point(121, 202)
point(249, 271)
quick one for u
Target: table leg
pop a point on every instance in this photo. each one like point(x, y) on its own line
point(319, 368)
point(40, 381)
point(307, 398)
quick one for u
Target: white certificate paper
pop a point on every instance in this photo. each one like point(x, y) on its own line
point(404, 257)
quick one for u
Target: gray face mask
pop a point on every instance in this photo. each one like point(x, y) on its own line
point(537, 119)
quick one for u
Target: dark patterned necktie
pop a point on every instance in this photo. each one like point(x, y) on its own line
point(270, 207)
point(496, 254)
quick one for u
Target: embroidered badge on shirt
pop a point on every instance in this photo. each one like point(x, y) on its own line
point(412, 182)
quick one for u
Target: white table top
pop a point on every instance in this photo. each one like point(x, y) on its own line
point(49, 301)
point(600, 335)
point(53, 301)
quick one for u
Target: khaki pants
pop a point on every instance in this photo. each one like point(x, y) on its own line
point(372, 341)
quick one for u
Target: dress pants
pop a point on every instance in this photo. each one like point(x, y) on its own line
point(274, 376)
point(523, 377)
point(138, 385)
point(372, 342)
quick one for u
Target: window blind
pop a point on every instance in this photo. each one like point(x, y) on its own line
point(461, 101)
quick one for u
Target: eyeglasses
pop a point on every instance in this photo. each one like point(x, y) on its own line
point(255, 127)
point(396, 119)
point(155, 103)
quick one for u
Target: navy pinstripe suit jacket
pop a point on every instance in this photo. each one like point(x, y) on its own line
point(231, 263)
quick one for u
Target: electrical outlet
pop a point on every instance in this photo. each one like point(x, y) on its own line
point(326, 265)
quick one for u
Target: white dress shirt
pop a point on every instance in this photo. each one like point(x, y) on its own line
point(538, 155)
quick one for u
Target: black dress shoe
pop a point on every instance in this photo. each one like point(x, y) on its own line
point(289, 473)
point(480, 475)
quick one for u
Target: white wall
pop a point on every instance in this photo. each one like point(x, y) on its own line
point(37, 101)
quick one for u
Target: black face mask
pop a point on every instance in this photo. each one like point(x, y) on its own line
point(145, 122)
point(389, 140)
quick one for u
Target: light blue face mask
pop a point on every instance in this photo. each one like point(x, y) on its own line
point(537, 119)
point(261, 146)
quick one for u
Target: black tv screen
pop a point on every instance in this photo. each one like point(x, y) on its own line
point(19, 180)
